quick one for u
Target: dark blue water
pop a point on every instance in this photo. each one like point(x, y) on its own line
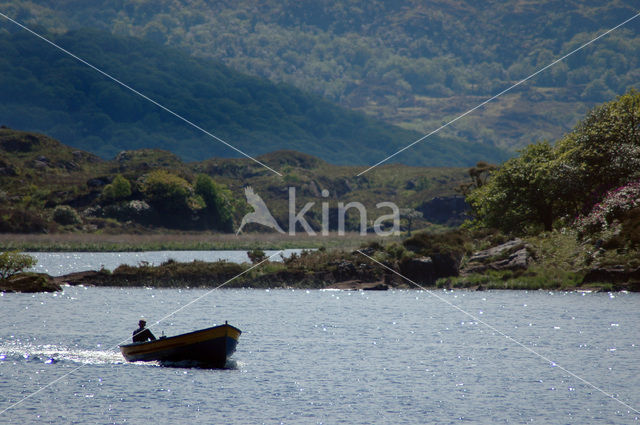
point(308, 357)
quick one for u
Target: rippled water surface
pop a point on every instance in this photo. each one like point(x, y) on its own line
point(308, 357)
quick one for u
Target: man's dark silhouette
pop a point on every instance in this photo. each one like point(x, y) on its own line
point(142, 334)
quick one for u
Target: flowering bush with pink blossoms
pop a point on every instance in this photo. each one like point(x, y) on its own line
point(613, 206)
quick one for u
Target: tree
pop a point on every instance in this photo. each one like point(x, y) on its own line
point(546, 183)
point(479, 175)
point(169, 193)
point(118, 189)
point(13, 262)
point(65, 215)
point(520, 193)
point(256, 255)
point(409, 214)
point(218, 211)
point(603, 151)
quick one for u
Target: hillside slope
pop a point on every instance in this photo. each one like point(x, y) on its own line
point(42, 89)
point(39, 174)
point(410, 62)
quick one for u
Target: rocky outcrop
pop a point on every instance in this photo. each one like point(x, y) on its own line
point(511, 255)
point(426, 270)
point(420, 270)
point(29, 282)
point(356, 285)
point(624, 278)
point(98, 182)
point(451, 210)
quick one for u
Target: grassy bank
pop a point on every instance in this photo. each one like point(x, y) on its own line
point(559, 261)
point(310, 269)
point(177, 242)
point(555, 261)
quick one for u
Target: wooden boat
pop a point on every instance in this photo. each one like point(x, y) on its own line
point(210, 347)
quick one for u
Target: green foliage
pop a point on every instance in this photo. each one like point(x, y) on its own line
point(397, 252)
point(631, 228)
point(13, 262)
point(218, 211)
point(453, 242)
point(77, 186)
point(173, 274)
point(118, 189)
point(545, 183)
point(22, 221)
point(628, 234)
point(522, 192)
point(479, 176)
point(603, 151)
point(256, 255)
point(168, 192)
point(551, 278)
point(65, 215)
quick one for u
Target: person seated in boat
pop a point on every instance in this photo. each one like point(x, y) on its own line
point(142, 334)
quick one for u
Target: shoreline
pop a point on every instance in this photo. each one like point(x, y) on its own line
point(295, 281)
point(511, 265)
point(86, 242)
point(41, 282)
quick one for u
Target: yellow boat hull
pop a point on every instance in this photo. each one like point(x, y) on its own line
point(209, 347)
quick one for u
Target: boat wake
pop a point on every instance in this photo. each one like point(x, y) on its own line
point(51, 354)
point(190, 364)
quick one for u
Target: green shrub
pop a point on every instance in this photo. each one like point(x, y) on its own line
point(119, 188)
point(256, 255)
point(65, 215)
point(218, 212)
point(397, 251)
point(166, 191)
point(13, 262)
point(21, 221)
point(173, 200)
point(451, 242)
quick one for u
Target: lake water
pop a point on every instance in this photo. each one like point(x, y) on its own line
point(332, 357)
point(60, 263)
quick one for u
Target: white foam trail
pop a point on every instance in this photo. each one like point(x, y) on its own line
point(54, 354)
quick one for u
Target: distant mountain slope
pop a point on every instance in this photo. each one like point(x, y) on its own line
point(44, 90)
point(412, 63)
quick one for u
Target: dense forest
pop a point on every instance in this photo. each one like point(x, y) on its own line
point(409, 62)
point(44, 90)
